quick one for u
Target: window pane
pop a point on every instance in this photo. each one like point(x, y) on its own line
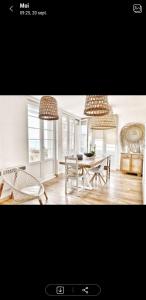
point(33, 110)
point(33, 122)
point(98, 141)
point(34, 150)
point(110, 136)
point(34, 134)
point(48, 149)
point(77, 136)
point(71, 136)
point(48, 134)
point(49, 140)
point(110, 142)
point(84, 129)
point(99, 146)
point(83, 136)
point(48, 125)
point(64, 135)
point(110, 148)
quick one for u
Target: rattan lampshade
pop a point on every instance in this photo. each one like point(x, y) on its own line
point(103, 128)
point(103, 123)
point(48, 108)
point(96, 106)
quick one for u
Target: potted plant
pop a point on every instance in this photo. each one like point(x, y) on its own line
point(92, 152)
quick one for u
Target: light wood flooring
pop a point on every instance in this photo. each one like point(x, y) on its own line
point(120, 189)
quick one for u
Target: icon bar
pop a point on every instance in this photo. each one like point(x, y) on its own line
point(72, 290)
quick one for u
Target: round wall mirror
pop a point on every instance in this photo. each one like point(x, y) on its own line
point(132, 138)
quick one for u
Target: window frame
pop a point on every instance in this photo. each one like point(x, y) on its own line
point(31, 102)
point(41, 128)
point(104, 148)
point(54, 141)
point(87, 135)
point(69, 117)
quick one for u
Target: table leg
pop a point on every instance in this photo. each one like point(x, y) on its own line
point(109, 167)
point(107, 170)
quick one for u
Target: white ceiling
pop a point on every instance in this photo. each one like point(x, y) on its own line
point(120, 104)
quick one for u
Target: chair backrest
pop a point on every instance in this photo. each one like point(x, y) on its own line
point(102, 165)
point(19, 179)
point(71, 166)
point(99, 167)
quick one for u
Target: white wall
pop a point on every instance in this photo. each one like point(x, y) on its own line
point(14, 136)
point(13, 131)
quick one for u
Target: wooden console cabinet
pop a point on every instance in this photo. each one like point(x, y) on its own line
point(131, 163)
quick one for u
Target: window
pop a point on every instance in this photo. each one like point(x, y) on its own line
point(48, 140)
point(98, 136)
point(41, 136)
point(70, 135)
point(77, 136)
point(110, 142)
point(110, 148)
point(99, 146)
point(105, 141)
point(84, 136)
point(33, 133)
point(64, 135)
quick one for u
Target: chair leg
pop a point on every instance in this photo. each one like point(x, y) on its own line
point(95, 180)
point(83, 182)
point(11, 196)
point(40, 201)
point(1, 188)
point(77, 184)
point(65, 186)
point(46, 196)
point(99, 178)
point(102, 178)
point(92, 178)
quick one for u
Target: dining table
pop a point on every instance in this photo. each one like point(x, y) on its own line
point(87, 164)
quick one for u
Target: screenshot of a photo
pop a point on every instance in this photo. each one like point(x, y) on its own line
point(43, 8)
point(73, 150)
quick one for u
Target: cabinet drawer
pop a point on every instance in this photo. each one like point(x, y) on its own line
point(126, 155)
point(137, 156)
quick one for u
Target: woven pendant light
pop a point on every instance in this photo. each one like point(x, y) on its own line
point(103, 123)
point(96, 106)
point(48, 108)
point(103, 128)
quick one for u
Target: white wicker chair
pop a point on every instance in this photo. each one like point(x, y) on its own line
point(21, 187)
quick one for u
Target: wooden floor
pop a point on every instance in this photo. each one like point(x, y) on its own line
point(121, 189)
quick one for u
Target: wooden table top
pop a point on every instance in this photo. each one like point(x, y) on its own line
point(89, 163)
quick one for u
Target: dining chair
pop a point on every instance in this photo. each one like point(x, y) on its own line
point(72, 172)
point(19, 187)
point(97, 173)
